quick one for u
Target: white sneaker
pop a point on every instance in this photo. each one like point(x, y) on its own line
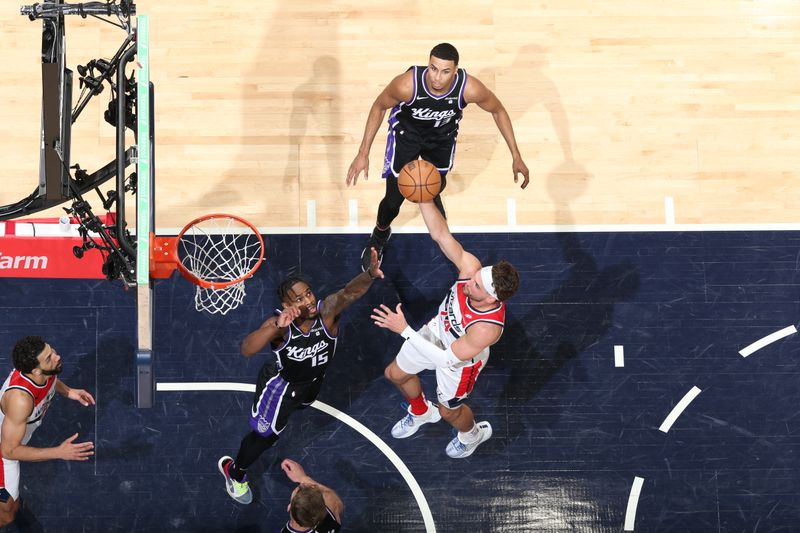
point(458, 450)
point(410, 423)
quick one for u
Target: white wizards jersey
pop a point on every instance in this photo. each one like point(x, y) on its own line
point(456, 314)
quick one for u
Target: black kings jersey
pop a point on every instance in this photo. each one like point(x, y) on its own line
point(437, 116)
point(305, 356)
point(328, 525)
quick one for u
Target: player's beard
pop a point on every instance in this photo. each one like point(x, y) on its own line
point(308, 314)
point(54, 372)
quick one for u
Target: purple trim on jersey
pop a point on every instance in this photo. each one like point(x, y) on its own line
point(322, 321)
point(449, 166)
point(425, 85)
point(461, 93)
point(286, 340)
point(414, 93)
point(388, 156)
point(319, 317)
point(262, 419)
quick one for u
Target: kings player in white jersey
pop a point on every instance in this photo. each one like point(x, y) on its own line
point(24, 400)
point(455, 343)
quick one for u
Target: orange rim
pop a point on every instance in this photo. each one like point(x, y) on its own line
point(170, 256)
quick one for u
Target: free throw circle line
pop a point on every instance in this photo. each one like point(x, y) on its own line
point(769, 339)
point(427, 516)
point(679, 408)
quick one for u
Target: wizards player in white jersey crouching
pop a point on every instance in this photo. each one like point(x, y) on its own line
point(455, 343)
point(303, 338)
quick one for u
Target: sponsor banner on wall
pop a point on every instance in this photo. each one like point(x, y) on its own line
point(48, 256)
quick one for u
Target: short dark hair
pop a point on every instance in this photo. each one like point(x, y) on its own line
point(26, 353)
point(445, 51)
point(505, 279)
point(286, 285)
point(308, 506)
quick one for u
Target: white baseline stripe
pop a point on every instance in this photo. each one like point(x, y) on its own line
point(633, 502)
point(769, 339)
point(619, 356)
point(427, 516)
point(678, 409)
point(527, 228)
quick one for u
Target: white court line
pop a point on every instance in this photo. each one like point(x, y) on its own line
point(311, 214)
point(619, 356)
point(504, 228)
point(678, 409)
point(352, 206)
point(427, 516)
point(769, 339)
point(633, 502)
point(511, 207)
point(669, 211)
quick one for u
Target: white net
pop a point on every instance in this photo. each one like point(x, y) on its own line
point(217, 251)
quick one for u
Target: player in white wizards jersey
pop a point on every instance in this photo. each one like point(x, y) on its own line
point(455, 342)
point(24, 400)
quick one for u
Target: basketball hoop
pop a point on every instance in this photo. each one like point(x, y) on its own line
point(217, 253)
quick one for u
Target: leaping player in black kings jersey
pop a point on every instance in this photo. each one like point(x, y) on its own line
point(427, 104)
point(303, 338)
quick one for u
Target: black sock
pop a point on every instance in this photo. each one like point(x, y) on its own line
point(253, 445)
point(382, 234)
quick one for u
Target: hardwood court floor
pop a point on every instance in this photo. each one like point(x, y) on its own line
point(617, 105)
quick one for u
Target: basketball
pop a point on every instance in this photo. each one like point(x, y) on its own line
point(419, 181)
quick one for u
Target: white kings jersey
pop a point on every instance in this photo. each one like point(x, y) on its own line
point(456, 315)
point(42, 396)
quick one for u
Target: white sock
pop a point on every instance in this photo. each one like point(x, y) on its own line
point(470, 436)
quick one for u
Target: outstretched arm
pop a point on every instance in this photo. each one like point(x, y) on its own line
point(465, 262)
point(17, 406)
point(296, 473)
point(476, 92)
point(79, 395)
point(357, 287)
point(273, 328)
point(399, 89)
point(478, 337)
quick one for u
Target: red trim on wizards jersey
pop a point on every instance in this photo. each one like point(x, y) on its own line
point(456, 314)
point(469, 375)
point(42, 394)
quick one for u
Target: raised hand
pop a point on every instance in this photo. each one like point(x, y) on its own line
point(293, 470)
point(388, 319)
point(287, 316)
point(375, 265)
point(80, 395)
point(69, 450)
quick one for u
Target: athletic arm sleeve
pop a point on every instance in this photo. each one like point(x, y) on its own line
point(441, 358)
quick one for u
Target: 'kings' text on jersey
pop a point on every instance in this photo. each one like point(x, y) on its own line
point(435, 115)
point(305, 356)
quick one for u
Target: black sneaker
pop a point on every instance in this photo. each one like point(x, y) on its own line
point(377, 240)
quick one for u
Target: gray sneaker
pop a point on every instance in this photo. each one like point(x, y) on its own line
point(239, 491)
point(410, 423)
point(458, 450)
